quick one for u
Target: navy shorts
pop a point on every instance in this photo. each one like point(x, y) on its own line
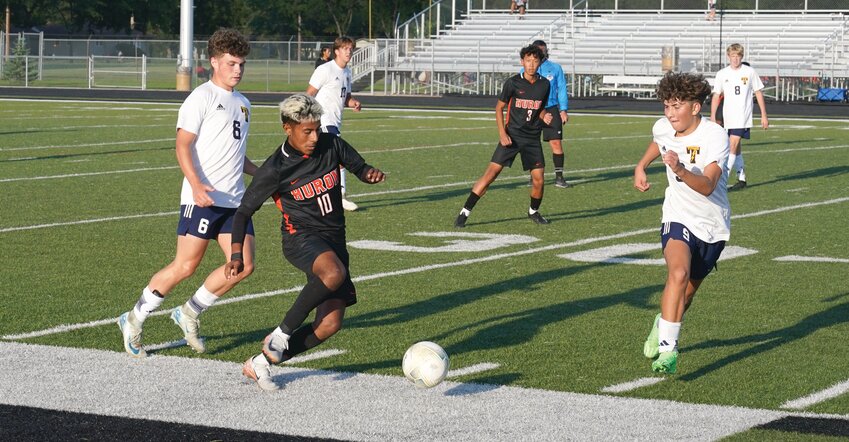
point(742, 133)
point(703, 254)
point(531, 151)
point(553, 131)
point(208, 222)
point(331, 130)
point(302, 249)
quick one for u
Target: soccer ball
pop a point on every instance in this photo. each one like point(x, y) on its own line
point(425, 364)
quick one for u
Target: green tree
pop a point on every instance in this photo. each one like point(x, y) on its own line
point(16, 68)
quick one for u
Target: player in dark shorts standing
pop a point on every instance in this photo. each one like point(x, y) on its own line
point(525, 96)
point(302, 175)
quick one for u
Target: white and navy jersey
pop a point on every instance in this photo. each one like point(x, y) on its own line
point(334, 86)
point(737, 87)
point(221, 120)
point(306, 188)
point(708, 217)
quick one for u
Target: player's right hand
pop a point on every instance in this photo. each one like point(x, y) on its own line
point(233, 268)
point(640, 181)
point(201, 196)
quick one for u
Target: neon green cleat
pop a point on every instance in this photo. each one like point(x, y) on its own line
point(667, 362)
point(650, 347)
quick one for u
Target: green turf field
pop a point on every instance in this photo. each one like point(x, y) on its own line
point(90, 193)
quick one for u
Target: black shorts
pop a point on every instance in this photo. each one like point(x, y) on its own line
point(553, 131)
point(531, 151)
point(302, 250)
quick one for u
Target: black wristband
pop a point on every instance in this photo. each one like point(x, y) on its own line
point(236, 256)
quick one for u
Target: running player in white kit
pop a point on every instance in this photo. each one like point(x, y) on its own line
point(696, 220)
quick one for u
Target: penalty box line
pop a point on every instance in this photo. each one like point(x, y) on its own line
point(412, 270)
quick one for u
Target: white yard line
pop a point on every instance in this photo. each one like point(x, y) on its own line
point(632, 385)
point(820, 396)
point(797, 258)
point(315, 355)
point(472, 369)
point(412, 270)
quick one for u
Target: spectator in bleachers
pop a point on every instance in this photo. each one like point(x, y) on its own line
point(736, 84)
point(711, 10)
point(518, 5)
point(324, 58)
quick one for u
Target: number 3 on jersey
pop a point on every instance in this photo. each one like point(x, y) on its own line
point(324, 204)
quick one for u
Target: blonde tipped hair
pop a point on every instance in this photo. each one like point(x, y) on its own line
point(735, 48)
point(300, 108)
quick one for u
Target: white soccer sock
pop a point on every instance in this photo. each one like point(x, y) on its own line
point(667, 335)
point(732, 159)
point(200, 301)
point(148, 302)
point(741, 174)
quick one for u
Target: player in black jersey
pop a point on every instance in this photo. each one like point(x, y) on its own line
point(302, 175)
point(525, 96)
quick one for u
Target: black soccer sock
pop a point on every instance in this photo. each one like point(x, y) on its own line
point(302, 339)
point(535, 203)
point(313, 294)
point(558, 164)
point(471, 201)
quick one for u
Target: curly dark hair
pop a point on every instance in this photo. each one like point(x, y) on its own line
point(683, 86)
point(532, 50)
point(228, 41)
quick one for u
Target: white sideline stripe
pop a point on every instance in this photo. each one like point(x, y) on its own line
point(89, 381)
point(77, 175)
point(797, 258)
point(329, 353)
point(472, 369)
point(87, 221)
point(632, 385)
point(69, 327)
point(61, 146)
point(820, 396)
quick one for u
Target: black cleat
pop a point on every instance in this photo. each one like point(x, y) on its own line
point(460, 222)
point(538, 218)
point(739, 185)
point(561, 183)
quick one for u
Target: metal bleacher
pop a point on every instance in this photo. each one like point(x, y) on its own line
point(625, 43)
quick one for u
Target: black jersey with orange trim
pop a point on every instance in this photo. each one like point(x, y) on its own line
point(305, 188)
point(525, 101)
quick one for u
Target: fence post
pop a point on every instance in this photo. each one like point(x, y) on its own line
point(90, 71)
point(144, 71)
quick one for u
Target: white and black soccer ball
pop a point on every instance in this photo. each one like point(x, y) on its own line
point(425, 364)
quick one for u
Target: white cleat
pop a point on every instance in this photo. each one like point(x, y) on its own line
point(132, 332)
point(190, 327)
point(349, 205)
point(273, 348)
point(258, 369)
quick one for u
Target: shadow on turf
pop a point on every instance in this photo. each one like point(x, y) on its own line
point(832, 316)
point(816, 173)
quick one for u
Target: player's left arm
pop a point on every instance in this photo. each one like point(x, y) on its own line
point(704, 183)
point(562, 95)
point(353, 103)
point(249, 168)
point(354, 162)
point(762, 105)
